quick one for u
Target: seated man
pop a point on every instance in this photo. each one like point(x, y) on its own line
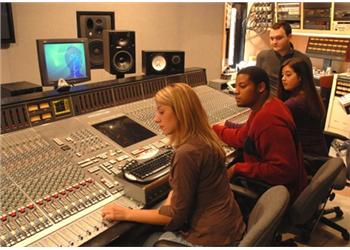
point(272, 152)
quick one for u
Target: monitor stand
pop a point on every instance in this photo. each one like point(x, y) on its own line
point(62, 85)
point(120, 75)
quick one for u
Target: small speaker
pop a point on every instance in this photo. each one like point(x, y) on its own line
point(119, 52)
point(91, 25)
point(163, 62)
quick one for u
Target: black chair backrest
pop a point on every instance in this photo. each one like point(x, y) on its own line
point(265, 217)
point(316, 192)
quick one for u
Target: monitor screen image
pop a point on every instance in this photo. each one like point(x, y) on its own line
point(63, 58)
point(124, 131)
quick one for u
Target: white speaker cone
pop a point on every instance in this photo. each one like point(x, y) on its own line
point(158, 63)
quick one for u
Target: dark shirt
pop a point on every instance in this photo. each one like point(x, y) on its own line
point(271, 151)
point(271, 61)
point(309, 128)
point(202, 207)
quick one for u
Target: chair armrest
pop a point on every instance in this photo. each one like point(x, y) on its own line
point(244, 191)
point(340, 182)
point(313, 162)
point(256, 187)
point(251, 181)
point(168, 243)
point(335, 135)
point(316, 158)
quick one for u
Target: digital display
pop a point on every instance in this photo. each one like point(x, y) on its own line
point(65, 60)
point(61, 106)
point(124, 131)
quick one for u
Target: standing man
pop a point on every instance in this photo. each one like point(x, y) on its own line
point(272, 153)
point(282, 49)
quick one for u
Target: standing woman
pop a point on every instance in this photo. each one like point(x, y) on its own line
point(297, 89)
point(200, 208)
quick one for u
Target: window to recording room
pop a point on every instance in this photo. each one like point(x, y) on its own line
point(234, 33)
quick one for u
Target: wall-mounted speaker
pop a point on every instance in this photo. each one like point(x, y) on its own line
point(163, 62)
point(119, 52)
point(91, 24)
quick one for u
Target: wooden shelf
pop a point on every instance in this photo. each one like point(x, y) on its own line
point(319, 33)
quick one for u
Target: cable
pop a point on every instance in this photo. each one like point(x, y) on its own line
point(260, 17)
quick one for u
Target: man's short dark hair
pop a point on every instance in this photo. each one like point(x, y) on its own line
point(286, 26)
point(256, 75)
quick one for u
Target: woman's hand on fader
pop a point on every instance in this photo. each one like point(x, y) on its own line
point(113, 212)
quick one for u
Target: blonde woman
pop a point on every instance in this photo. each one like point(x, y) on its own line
point(200, 209)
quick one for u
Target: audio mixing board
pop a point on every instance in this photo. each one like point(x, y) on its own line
point(56, 177)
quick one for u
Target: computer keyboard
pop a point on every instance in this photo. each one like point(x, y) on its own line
point(149, 170)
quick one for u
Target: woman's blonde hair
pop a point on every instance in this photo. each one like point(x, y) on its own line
point(191, 117)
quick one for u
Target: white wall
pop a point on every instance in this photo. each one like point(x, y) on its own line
point(196, 28)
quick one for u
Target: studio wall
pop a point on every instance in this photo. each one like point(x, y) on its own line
point(196, 28)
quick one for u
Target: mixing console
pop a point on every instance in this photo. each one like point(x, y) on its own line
point(56, 177)
point(219, 106)
point(142, 111)
point(42, 186)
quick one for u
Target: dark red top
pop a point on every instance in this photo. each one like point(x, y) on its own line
point(272, 155)
point(309, 127)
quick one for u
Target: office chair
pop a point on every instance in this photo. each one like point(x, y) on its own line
point(263, 221)
point(339, 184)
point(308, 209)
point(266, 217)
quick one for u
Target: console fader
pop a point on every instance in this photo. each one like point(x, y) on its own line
point(55, 178)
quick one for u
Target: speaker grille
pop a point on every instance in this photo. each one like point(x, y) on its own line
point(119, 52)
point(88, 102)
point(129, 93)
point(14, 118)
point(152, 86)
point(96, 53)
point(196, 78)
point(91, 24)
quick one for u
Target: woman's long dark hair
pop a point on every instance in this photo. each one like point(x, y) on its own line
point(313, 100)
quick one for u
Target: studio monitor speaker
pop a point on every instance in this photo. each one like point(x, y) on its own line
point(91, 25)
point(119, 52)
point(163, 62)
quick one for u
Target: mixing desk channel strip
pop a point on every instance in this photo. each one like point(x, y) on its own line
point(73, 219)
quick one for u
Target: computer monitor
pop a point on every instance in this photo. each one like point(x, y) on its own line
point(66, 59)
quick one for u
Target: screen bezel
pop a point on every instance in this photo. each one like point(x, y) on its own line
point(42, 62)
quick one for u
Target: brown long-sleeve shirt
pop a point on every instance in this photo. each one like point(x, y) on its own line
point(202, 207)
